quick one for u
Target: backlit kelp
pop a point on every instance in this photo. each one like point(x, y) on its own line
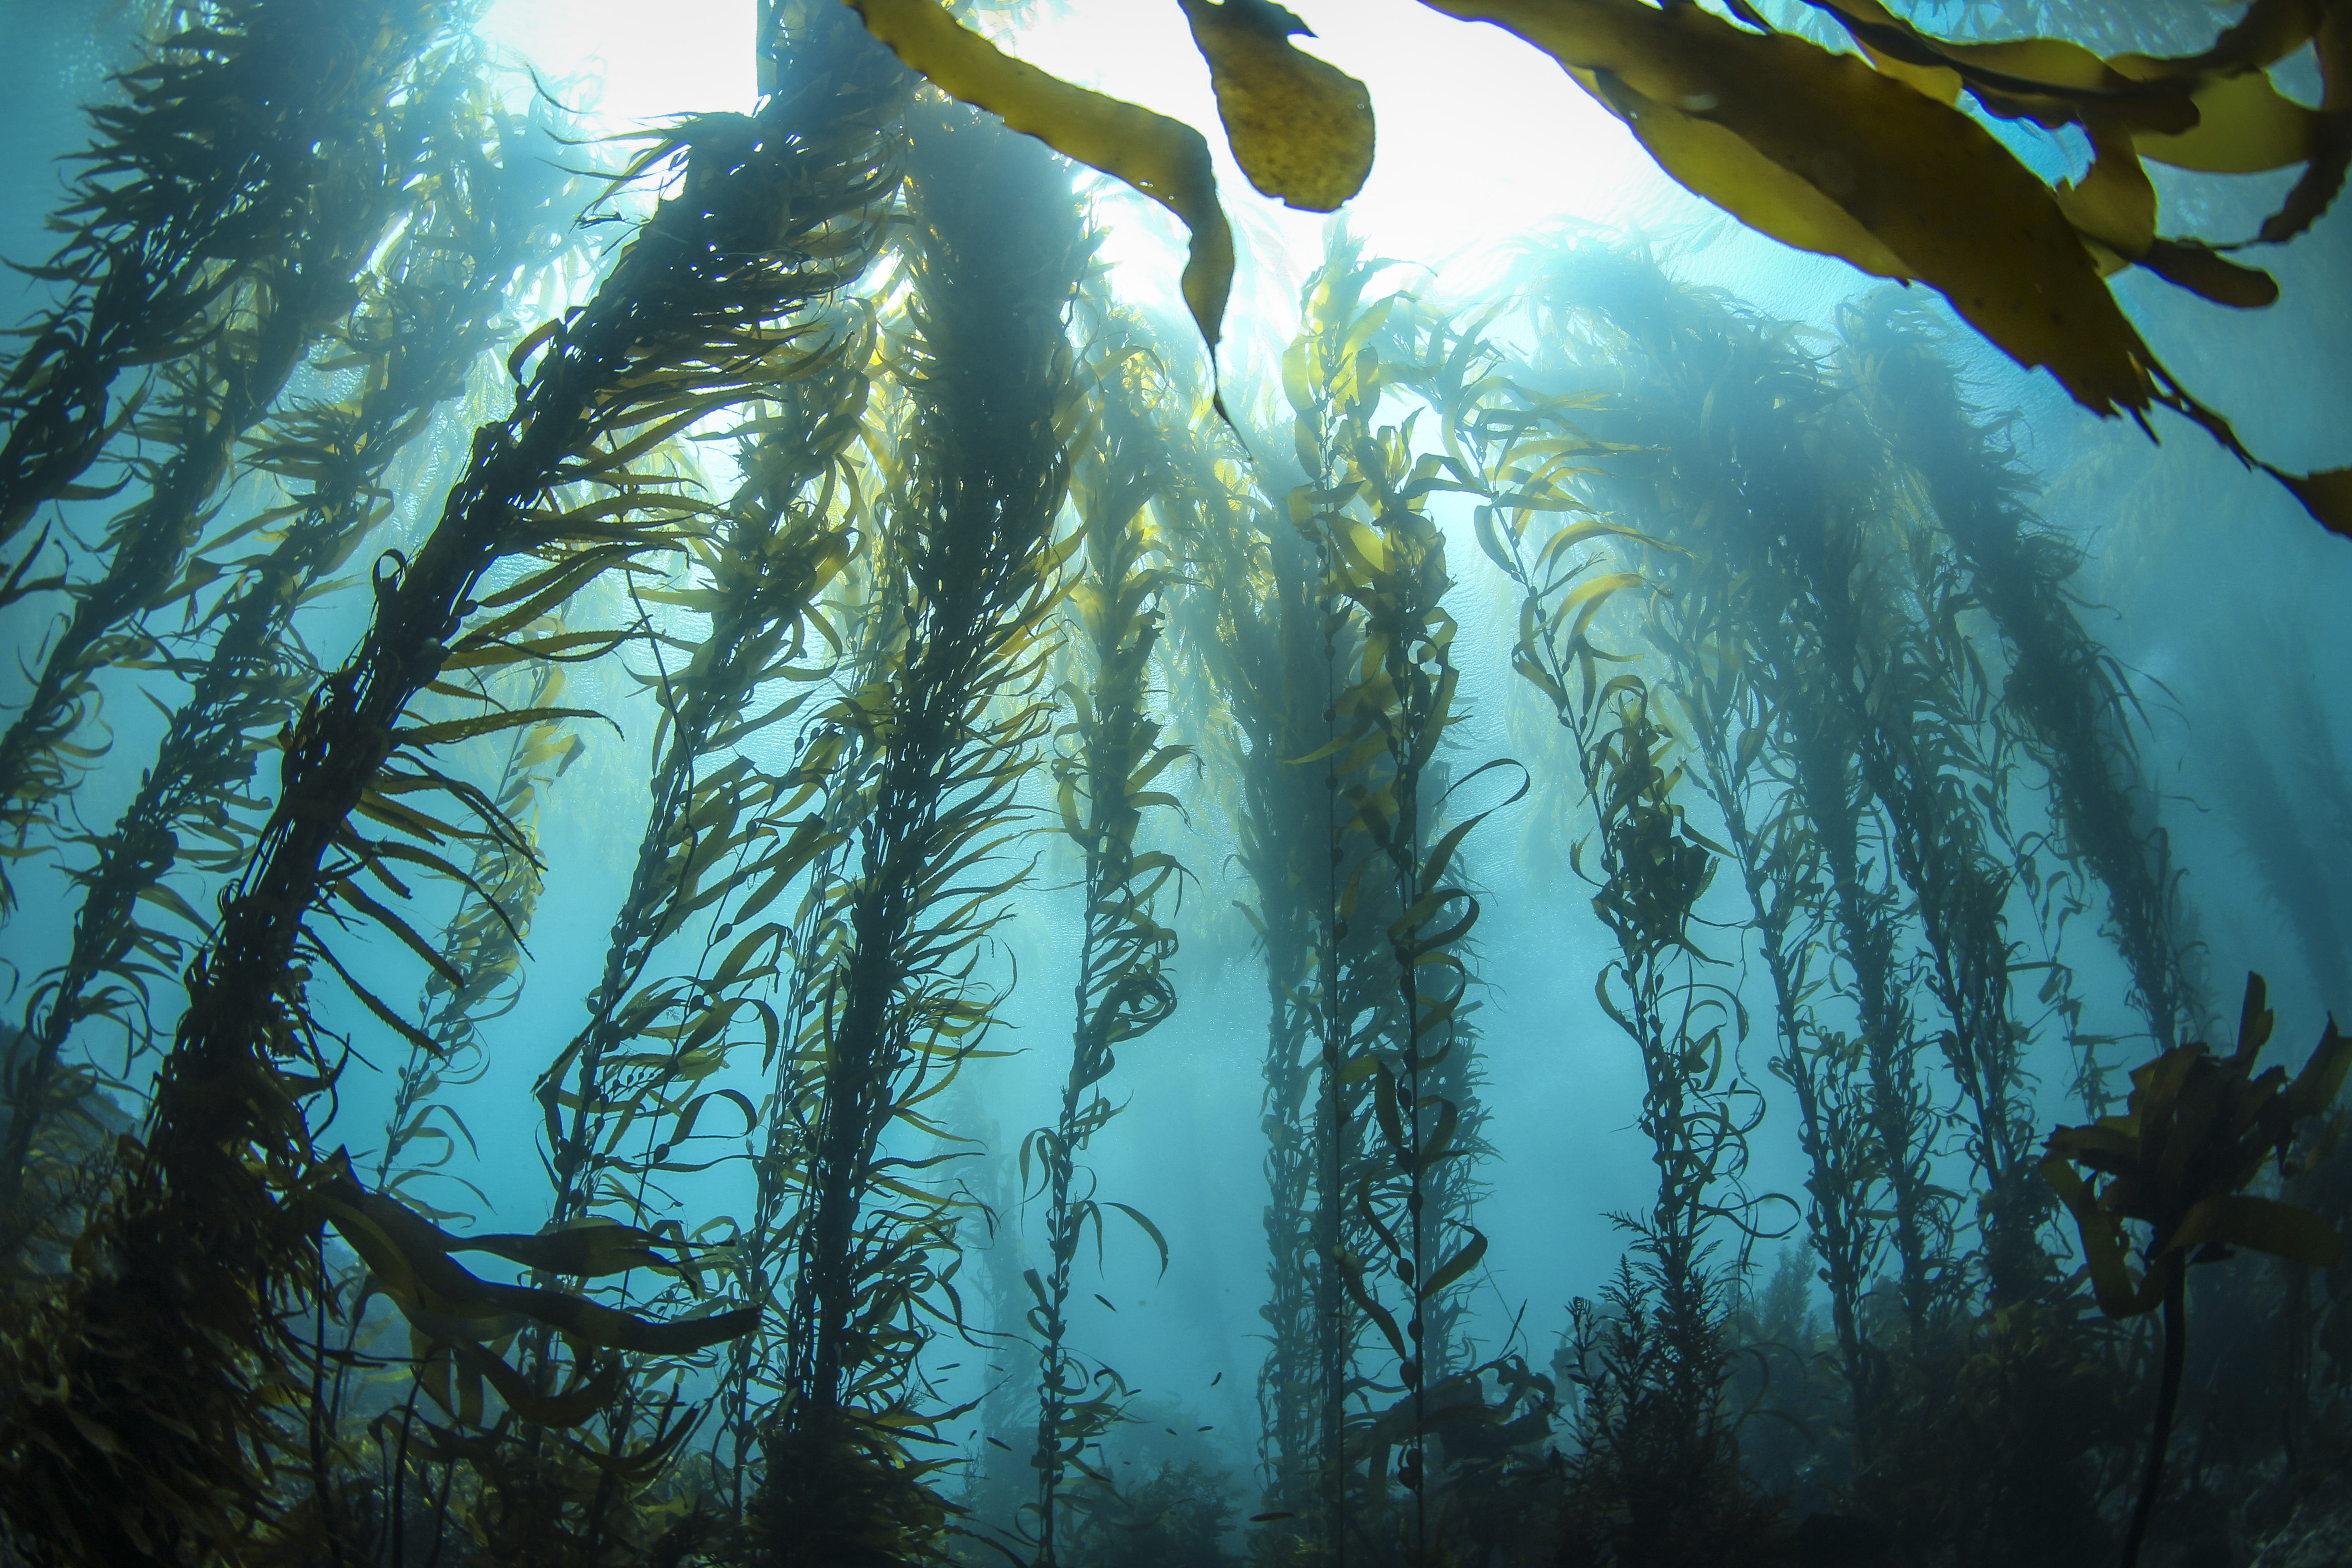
point(338, 171)
point(1875, 162)
point(676, 626)
point(436, 303)
point(2071, 705)
point(1250, 629)
point(1657, 1477)
point(1108, 758)
point(197, 180)
point(220, 1207)
point(967, 572)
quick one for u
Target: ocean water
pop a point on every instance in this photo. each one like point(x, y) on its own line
point(1480, 952)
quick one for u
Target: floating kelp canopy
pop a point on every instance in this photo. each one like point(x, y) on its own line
point(748, 839)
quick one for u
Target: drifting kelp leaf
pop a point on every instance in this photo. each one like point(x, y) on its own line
point(569, 1408)
point(2266, 1224)
point(1301, 128)
point(592, 1248)
point(352, 894)
point(1162, 158)
point(452, 729)
point(1455, 1267)
point(1826, 154)
point(2196, 1130)
point(2204, 271)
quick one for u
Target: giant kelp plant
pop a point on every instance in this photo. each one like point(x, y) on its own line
point(795, 617)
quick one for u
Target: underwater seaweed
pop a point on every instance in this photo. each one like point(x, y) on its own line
point(950, 722)
point(2062, 691)
point(361, 165)
point(1108, 757)
point(197, 179)
point(1252, 628)
point(1384, 585)
point(435, 304)
point(2194, 1132)
point(201, 1225)
point(1873, 159)
point(939, 565)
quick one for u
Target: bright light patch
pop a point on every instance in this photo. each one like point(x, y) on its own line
point(1481, 138)
point(628, 63)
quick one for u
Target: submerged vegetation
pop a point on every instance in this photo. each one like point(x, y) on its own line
point(785, 619)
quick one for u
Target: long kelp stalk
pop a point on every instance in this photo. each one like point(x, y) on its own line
point(156, 1422)
point(199, 175)
point(950, 728)
point(1386, 576)
point(435, 304)
point(1249, 623)
point(1713, 431)
point(1107, 762)
point(2064, 692)
point(782, 539)
point(809, 947)
point(1719, 617)
point(365, 179)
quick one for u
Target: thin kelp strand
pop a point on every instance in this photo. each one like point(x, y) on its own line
point(1108, 757)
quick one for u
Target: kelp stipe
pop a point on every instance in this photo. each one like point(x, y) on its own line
point(1658, 1477)
point(1107, 758)
point(1395, 1097)
point(360, 164)
point(434, 304)
point(198, 1222)
point(2066, 694)
point(950, 726)
point(1246, 620)
point(1649, 356)
point(758, 575)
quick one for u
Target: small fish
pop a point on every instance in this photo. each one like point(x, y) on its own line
point(1104, 1300)
point(1205, 1428)
point(1216, 1380)
point(1006, 1446)
point(1270, 1518)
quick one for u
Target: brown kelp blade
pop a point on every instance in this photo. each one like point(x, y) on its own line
point(1822, 152)
point(1165, 159)
point(1301, 128)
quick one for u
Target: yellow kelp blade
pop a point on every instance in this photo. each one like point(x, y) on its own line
point(1822, 152)
point(1165, 159)
point(2218, 112)
point(1301, 128)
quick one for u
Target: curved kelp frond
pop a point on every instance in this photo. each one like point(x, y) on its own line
point(948, 723)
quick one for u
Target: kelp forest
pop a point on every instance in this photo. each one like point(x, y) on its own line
point(867, 809)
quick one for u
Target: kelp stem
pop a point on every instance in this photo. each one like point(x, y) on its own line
point(2167, 1399)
